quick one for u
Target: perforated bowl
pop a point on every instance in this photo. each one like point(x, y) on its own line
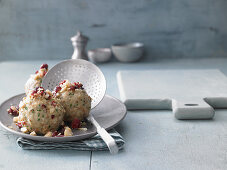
point(77, 70)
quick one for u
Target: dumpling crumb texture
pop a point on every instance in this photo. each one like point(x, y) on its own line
point(74, 99)
point(40, 112)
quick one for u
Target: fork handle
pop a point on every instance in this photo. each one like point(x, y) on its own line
point(110, 142)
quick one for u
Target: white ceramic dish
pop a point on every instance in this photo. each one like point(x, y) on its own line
point(99, 55)
point(128, 52)
point(108, 114)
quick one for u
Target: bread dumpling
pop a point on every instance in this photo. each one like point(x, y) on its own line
point(40, 112)
point(74, 99)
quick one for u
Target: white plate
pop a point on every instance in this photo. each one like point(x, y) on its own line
point(108, 114)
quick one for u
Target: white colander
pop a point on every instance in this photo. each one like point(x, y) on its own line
point(75, 70)
point(93, 82)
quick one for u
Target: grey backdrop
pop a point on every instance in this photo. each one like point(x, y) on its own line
point(41, 29)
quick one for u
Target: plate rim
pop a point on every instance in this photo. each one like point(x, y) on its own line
point(66, 138)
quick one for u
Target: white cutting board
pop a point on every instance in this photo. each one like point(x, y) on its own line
point(186, 92)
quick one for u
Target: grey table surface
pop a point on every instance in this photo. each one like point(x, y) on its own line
point(154, 138)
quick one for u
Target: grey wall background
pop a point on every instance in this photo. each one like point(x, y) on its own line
point(41, 29)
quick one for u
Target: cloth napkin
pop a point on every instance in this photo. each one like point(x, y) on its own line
point(94, 143)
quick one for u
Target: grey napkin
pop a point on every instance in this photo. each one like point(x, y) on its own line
point(94, 143)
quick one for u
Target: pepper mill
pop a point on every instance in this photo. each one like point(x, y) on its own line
point(79, 43)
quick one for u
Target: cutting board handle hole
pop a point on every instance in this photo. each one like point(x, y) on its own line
point(191, 104)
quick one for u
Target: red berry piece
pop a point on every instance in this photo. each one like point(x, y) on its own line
point(53, 103)
point(62, 82)
point(55, 134)
point(36, 72)
point(41, 92)
point(10, 110)
point(52, 116)
point(72, 88)
point(34, 91)
point(44, 73)
point(44, 106)
point(41, 88)
point(78, 85)
point(13, 111)
point(19, 125)
point(23, 123)
point(44, 66)
point(75, 123)
point(57, 89)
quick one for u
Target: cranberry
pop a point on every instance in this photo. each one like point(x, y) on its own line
point(10, 110)
point(40, 88)
point(44, 106)
point(52, 116)
point(13, 111)
point(75, 123)
point(36, 72)
point(23, 123)
point(44, 66)
point(44, 73)
point(62, 82)
point(53, 103)
point(35, 91)
point(57, 89)
point(72, 88)
point(55, 134)
point(41, 92)
point(78, 85)
point(19, 125)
